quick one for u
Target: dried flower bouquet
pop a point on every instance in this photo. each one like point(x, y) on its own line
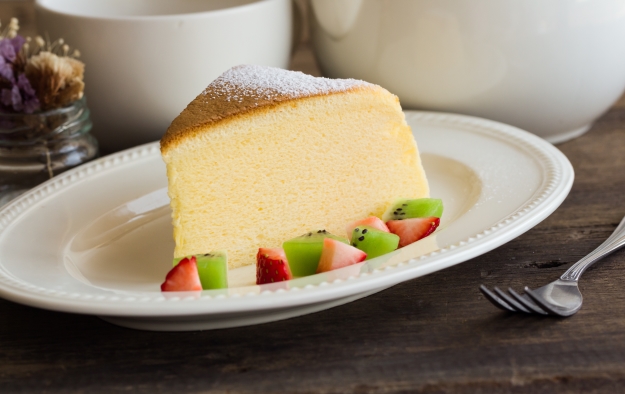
point(37, 75)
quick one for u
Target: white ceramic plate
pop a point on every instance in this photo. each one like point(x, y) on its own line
point(97, 239)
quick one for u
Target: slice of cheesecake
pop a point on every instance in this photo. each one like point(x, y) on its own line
point(264, 155)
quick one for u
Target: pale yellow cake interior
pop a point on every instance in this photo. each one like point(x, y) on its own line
point(260, 178)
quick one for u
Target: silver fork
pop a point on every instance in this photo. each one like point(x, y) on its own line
point(561, 297)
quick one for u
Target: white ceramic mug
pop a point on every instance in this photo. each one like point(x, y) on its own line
point(549, 67)
point(145, 60)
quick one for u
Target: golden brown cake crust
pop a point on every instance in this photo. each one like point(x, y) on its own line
point(246, 88)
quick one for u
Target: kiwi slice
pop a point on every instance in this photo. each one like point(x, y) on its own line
point(415, 208)
point(212, 268)
point(304, 252)
point(374, 242)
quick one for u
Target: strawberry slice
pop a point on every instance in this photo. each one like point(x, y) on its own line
point(412, 230)
point(371, 221)
point(336, 254)
point(183, 277)
point(271, 266)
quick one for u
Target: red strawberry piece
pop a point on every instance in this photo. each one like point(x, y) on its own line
point(412, 230)
point(371, 221)
point(336, 254)
point(183, 277)
point(271, 266)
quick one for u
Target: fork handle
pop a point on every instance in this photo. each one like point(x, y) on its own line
point(613, 243)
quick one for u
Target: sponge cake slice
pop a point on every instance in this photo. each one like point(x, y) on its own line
point(264, 155)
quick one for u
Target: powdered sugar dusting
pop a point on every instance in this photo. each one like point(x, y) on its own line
point(269, 83)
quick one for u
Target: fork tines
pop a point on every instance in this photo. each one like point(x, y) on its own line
point(512, 302)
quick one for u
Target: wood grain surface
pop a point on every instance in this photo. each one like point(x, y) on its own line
point(435, 334)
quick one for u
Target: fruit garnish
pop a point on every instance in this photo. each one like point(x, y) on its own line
point(271, 266)
point(336, 254)
point(371, 221)
point(416, 208)
point(183, 277)
point(374, 242)
point(412, 230)
point(212, 268)
point(303, 252)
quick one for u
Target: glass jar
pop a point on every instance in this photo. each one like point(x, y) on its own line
point(35, 147)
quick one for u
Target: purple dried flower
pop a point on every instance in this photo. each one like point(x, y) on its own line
point(31, 103)
point(17, 42)
point(21, 97)
point(24, 84)
point(6, 70)
point(16, 98)
point(7, 50)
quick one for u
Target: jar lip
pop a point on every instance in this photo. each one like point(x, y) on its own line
point(81, 102)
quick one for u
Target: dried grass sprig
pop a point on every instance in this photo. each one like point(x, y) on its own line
point(10, 31)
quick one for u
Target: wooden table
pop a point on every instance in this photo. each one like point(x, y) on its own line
point(434, 334)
